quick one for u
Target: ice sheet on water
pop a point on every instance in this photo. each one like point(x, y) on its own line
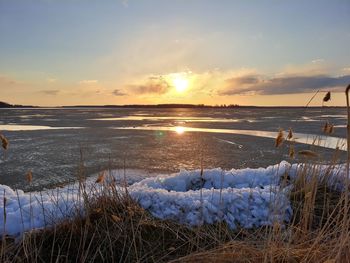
point(22, 127)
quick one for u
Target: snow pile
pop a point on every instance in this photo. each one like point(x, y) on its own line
point(247, 207)
point(218, 178)
point(246, 198)
point(26, 211)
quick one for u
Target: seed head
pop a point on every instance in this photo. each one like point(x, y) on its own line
point(327, 97)
point(325, 127)
point(291, 152)
point(331, 129)
point(5, 143)
point(279, 138)
point(100, 178)
point(290, 134)
point(29, 176)
point(328, 128)
point(116, 218)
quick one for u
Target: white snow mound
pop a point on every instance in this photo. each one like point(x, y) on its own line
point(245, 198)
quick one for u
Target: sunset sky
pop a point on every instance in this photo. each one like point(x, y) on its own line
point(71, 52)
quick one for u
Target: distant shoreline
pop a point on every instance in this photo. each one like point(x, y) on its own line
point(158, 106)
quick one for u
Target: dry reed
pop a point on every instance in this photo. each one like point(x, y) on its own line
point(5, 143)
point(100, 179)
point(29, 176)
point(290, 134)
point(279, 139)
point(327, 97)
point(328, 128)
point(291, 151)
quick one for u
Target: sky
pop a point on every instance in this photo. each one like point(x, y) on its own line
point(265, 53)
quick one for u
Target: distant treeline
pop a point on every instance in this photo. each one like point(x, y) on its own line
point(7, 105)
point(161, 106)
point(200, 106)
point(157, 106)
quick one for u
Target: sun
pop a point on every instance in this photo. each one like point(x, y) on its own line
point(180, 83)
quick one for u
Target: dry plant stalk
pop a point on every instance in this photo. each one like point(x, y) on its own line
point(29, 176)
point(116, 218)
point(291, 151)
point(5, 143)
point(327, 97)
point(279, 139)
point(290, 134)
point(328, 128)
point(100, 178)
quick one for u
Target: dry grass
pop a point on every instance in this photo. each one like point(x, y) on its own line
point(116, 229)
point(259, 252)
point(319, 231)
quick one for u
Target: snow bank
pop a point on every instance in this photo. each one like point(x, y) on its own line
point(246, 198)
point(246, 207)
point(21, 211)
point(218, 178)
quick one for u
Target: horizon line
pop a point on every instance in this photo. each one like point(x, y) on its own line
point(5, 105)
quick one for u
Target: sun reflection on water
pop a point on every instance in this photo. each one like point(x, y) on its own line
point(179, 129)
point(310, 139)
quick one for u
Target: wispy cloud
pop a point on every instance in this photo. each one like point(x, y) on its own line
point(283, 85)
point(51, 92)
point(153, 85)
point(118, 92)
point(51, 80)
point(125, 3)
point(7, 81)
point(249, 79)
point(346, 70)
point(88, 82)
point(318, 60)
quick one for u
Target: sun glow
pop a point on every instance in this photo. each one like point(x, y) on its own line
point(180, 83)
point(179, 129)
